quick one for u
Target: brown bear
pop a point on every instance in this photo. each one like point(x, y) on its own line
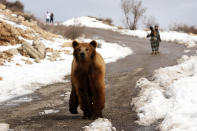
point(87, 78)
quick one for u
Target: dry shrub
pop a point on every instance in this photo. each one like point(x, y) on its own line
point(71, 32)
point(184, 28)
point(13, 6)
point(74, 32)
point(120, 27)
point(29, 17)
point(106, 20)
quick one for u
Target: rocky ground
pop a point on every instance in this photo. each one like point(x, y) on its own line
point(16, 30)
point(121, 77)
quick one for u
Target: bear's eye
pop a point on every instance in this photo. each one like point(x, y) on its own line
point(87, 49)
point(79, 49)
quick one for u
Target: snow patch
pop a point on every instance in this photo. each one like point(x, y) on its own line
point(100, 124)
point(88, 22)
point(187, 51)
point(25, 79)
point(13, 23)
point(4, 127)
point(67, 96)
point(112, 51)
point(4, 48)
point(46, 112)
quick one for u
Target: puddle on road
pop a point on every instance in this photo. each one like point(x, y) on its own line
point(19, 100)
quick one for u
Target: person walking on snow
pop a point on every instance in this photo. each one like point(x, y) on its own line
point(47, 17)
point(158, 38)
point(153, 40)
point(51, 17)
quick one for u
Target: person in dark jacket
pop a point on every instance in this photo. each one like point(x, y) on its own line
point(153, 40)
point(51, 17)
point(158, 38)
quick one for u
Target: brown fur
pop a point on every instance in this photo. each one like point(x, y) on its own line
point(87, 77)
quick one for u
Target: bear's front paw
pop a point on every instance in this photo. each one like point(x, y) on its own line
point(97, 115)
point(73, 111)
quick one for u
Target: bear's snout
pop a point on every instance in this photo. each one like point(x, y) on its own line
point(82, 55)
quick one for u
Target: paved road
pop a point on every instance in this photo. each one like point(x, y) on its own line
point(120, 79)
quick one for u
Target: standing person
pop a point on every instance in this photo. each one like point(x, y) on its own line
point(47, 17)
point(158, 38)
point(153, 40)
point(51, 17)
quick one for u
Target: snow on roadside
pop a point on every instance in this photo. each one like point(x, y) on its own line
point(21, 79)
point(180, 38)
point(169, 97)
point(100, 124)
point(25, 79)
point(168, 36)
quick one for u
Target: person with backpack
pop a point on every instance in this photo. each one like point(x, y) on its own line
point(158, 39)
point(153, 40)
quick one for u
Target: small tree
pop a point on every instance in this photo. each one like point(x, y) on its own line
point(133, 11)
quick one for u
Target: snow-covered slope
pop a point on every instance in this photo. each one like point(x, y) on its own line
point(88, 22)
point(169, 36)
point(23, 75)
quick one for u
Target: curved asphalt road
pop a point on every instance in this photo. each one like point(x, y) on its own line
point(121, 77)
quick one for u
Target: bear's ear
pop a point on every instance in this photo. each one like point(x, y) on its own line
point(93, 43)
point(75, 43)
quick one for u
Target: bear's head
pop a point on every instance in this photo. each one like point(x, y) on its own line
point(84, 52)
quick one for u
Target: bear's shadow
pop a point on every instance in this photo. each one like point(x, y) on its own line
point(65, 117)
point(55, 117)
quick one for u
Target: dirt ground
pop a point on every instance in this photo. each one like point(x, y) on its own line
point(121, 77)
